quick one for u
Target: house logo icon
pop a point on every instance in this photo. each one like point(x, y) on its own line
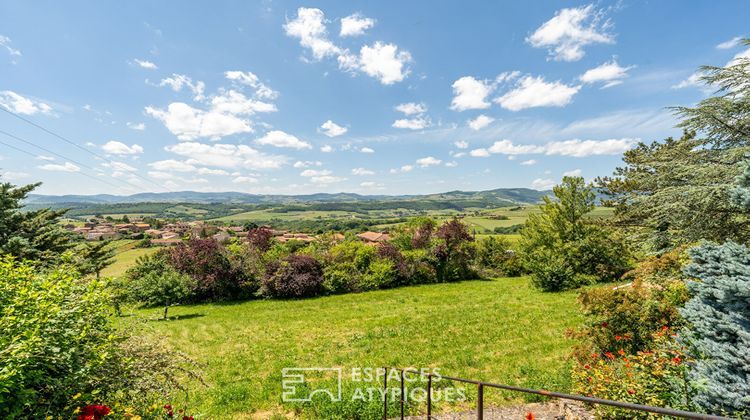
point(302, 384)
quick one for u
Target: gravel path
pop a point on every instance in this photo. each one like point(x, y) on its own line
point(554, 410)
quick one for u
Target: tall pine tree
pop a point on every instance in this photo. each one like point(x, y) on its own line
point(719, 314)
point(33, 235)
point(719, 311)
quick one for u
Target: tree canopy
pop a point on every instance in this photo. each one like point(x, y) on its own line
point(677, 191)
point(33, 235)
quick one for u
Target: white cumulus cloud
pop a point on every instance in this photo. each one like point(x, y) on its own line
point(470, 93)
point(428, 161)
point(574, 172)
point(331, 129)
point(66, 167)
point(532, 92)
point(411, 108)
point(189, 123)
point(384, 62)
point(310, 28)
point(278, 138)
point(542, 184)
point(570, 30)
point(609, 73)
point(113, 147)
point(14, 102)
point(355, 25)
point(366, 150)
point(172, 165)
point(418, 123)
point(480, 122)
point(226, 156)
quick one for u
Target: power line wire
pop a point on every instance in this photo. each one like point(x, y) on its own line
point(42, 148)
point(65, 139)
point(81, 173)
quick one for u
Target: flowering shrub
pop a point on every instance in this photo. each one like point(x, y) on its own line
point(205, 261)
point(656, 377)
point(93, 412)
point(293, 277)
point(626, 317)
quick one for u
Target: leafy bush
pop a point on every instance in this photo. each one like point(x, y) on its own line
point(416, 233)
point(656, 377)
point(260, 238)
point(293, 277)
point(455, 252)
point(161, 288)
point(206, 262)
point(61, 350)
point(495, 256)
point(627, 316)
point(562, 250)
point(352, 266)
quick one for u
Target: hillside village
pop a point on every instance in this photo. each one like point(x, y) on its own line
point(98, 229)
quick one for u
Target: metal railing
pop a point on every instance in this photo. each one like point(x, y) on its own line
point(480, 397)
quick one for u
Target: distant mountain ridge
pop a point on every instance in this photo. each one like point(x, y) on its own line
point(499, 195)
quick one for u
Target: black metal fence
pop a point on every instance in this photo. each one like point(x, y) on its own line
point(480, 397)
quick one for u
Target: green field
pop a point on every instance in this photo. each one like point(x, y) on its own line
point(125, 257)
point(501, 330)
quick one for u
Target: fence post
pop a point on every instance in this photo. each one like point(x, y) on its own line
point(480, 401)
point(385, 393)
point(429, 396)
point(402, 394)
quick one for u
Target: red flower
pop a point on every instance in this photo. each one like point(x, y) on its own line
point(631, 392)
point(187, 418)
point(170, 414)
point(605, 324)
point(676, 360)
point(586, 367)
point(609, 355)
point(618, 338)
point(621, 352)
point(529, 416)
point(664, 328)
point(94, 412)
point(167, 407)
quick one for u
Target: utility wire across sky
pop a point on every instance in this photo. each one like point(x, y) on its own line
point(66, 140)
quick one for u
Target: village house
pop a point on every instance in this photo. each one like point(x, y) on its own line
point(374, 238)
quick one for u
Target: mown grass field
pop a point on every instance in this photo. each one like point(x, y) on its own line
point(125, 257)
point(501, 330)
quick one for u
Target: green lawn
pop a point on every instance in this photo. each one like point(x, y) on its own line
point(501, 330)
point(125, 259)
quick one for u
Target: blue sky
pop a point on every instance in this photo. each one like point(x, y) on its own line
point(369, 97)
